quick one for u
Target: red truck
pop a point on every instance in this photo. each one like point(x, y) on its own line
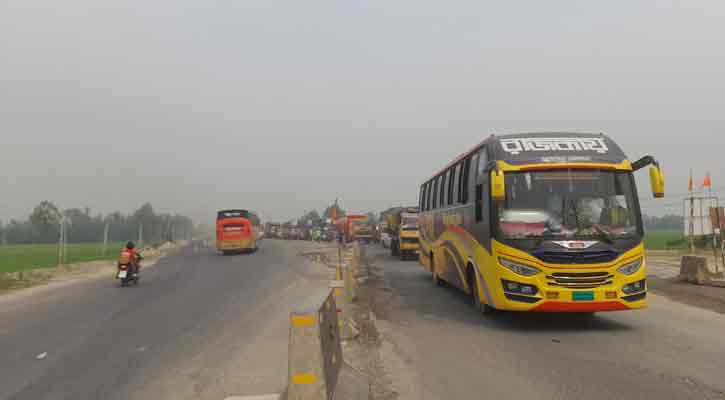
point(354, 227)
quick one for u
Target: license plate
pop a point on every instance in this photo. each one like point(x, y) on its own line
point(582, 296)
point(122, 274)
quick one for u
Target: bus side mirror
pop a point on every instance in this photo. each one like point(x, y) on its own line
point(498, 186)
point(657, 181)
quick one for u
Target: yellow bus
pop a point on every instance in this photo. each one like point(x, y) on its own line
point(545, 222)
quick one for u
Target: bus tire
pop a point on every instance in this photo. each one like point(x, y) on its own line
point(437, 281)
point(475, 299)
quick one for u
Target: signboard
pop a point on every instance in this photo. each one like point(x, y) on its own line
point(558, 148)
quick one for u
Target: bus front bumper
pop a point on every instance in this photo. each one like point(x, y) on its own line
point(557, 299)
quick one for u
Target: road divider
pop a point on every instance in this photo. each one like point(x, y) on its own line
point(315, 351)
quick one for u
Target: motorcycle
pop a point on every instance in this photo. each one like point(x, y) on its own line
point(126, 275)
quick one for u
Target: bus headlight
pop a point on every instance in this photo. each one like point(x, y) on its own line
point(521, 269)
point(630, 268)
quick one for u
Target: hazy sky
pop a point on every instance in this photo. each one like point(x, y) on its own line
point(283, 106)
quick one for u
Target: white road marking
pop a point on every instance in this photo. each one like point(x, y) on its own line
point(41, 356)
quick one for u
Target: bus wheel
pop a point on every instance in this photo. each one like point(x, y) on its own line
point(436, 279)
point(477, 304)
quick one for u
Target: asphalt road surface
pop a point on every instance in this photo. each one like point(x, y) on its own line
point(199, 326)
point(440, 348)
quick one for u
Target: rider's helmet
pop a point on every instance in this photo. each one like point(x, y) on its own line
point(130, 245)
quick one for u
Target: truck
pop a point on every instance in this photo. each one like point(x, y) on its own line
point(354, 227)
point(403, 231)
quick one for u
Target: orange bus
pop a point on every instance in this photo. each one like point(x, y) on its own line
point(237, 231)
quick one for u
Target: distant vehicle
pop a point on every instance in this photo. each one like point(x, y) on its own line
point(237, 231)
point(385, 239)
point(539, 222)
point(403, 230)
point(272, 230)
point(295, 233)
point(354, 227)
point(125, 272)
point(328, 233)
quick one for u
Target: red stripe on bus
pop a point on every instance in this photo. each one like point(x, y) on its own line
point(558, 306)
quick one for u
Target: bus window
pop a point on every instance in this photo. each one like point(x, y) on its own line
point(473, 168)
point(451, 184)
point(482, 161)
point(455, 189)
point(463, 184)
point(426, 194)
point(442, 191)
point(435, 192)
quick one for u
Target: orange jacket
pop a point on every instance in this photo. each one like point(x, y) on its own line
point(128, 256)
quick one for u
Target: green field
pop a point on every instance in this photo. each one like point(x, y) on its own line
point(658, 240)
point(27, 257)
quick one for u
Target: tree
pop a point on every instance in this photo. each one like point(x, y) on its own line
point(45, 218)
point(666, 222)
point(311, 217)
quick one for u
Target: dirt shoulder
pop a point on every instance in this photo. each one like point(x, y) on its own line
point(663, 271)
point(50, 277)
point(707, 297)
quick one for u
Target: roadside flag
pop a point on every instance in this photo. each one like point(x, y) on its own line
point(707, 183)
point(690, 184)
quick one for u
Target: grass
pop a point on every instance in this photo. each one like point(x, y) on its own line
point(663, 240)
point(27, 257)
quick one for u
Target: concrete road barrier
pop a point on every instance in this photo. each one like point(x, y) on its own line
point(694, 269)
point(315, 352)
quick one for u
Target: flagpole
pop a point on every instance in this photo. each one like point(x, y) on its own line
point(708, 182)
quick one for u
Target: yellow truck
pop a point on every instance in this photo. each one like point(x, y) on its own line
point(403, 230)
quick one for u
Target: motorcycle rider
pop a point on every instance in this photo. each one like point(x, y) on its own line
point(129, 256)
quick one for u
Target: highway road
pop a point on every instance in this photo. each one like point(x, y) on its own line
point(199, 326)
point(439, 347)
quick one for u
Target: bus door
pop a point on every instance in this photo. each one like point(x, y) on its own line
point(481, 227)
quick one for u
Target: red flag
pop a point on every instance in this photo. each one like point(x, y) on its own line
point(707, 183)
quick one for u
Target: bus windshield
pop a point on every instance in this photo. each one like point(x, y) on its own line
point(569, 204)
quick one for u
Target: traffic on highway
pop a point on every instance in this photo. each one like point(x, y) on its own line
point(362, 201)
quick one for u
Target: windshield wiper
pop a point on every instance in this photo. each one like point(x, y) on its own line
point(603, 235)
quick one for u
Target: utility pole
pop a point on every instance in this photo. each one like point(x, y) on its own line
point(105, 237)
point(692, 223)
point(140, 235)
point(60, 242)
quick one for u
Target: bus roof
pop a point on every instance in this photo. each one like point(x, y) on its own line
point(236, 213)
point(547, 147)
